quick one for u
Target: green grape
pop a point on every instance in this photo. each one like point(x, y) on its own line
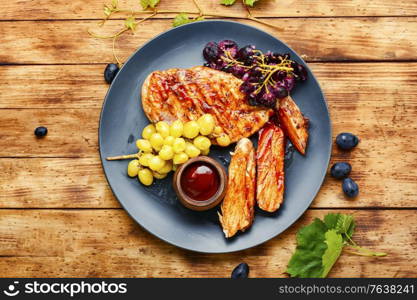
point(206, 123)
point(156, 163)
point(169, 140)
point(176, 129)
point(178, 145)
point(159, 175)
point(191, 150)
point(205, 152)
point(156, 141)
point(166, 152)
point(202, 142)
point(223, 140)
point(148, 131)
point(191, 129)
point(163, 128)
point(180, 158)
point(144, 145)
point(218, 130)
point(166, 168)
point(133, 168)
point(144, 159)
point(145, 176)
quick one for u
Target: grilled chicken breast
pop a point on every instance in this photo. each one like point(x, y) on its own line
point(237, 209)
point(293, 123)
point(270, 168)
point(186, 94)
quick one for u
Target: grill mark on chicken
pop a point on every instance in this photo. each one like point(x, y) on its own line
point(237, 209)
point(186, 94)
point(270, 168)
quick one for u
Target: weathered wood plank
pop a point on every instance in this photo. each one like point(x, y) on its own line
point(344, 84)
point(60, 243)
point(79, 9)
point(54, 182)
point(71, 132)
point(80, 183)
point(55, 42)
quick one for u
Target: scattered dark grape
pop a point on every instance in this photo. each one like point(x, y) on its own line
point(211, 51)
point(350, 187)
point(228, 46)
point(340, 170)
point(347, 141)
point(241, 271)
point(110, 72)
point(41, 131)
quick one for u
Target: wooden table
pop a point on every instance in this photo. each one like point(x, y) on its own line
point(58, 216)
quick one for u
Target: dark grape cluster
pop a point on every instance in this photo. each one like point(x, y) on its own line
point(266, 76)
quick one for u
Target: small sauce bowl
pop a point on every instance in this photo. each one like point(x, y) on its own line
point(215, 199)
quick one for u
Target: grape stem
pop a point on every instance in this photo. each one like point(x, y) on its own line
point(120, 157)
point(114, 9)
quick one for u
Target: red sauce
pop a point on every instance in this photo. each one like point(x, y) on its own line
point(200, 181)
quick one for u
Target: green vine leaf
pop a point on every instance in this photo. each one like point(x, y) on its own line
point(115, 3)
point(183, 18)
point(334, 242)
point(107, 11)
point(149, 3)
point(130, 23)
point(250, 2)
point(307, 259)
point(227, 2)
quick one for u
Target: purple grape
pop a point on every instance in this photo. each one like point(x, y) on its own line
point(301, 72)
point(228, 46)
point(211, 51)
point(247, 87)
point(245, 77)
point(238, 71)
point(279, 91)
point(271, 58)
point(255, 72)
point(245, 53)
point(250, 78)
point(289, 83)
point(279, 76)
point(268, 99)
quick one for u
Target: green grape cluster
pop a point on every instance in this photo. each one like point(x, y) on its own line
point(164, 146)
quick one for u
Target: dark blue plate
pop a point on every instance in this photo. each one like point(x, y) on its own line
point(156, 208)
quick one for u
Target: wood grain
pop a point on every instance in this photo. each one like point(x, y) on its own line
point(79, 9)
point(316, 39)
point(346, 86)
point(107, 243)
point(384, 105)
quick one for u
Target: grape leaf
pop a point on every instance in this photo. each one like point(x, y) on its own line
point(149, 3)
point(344, 224)
point(250, 2)
point(130, 23)
point(183, 18)
point(307, 258)
point(334, 242)
point(227, 2)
